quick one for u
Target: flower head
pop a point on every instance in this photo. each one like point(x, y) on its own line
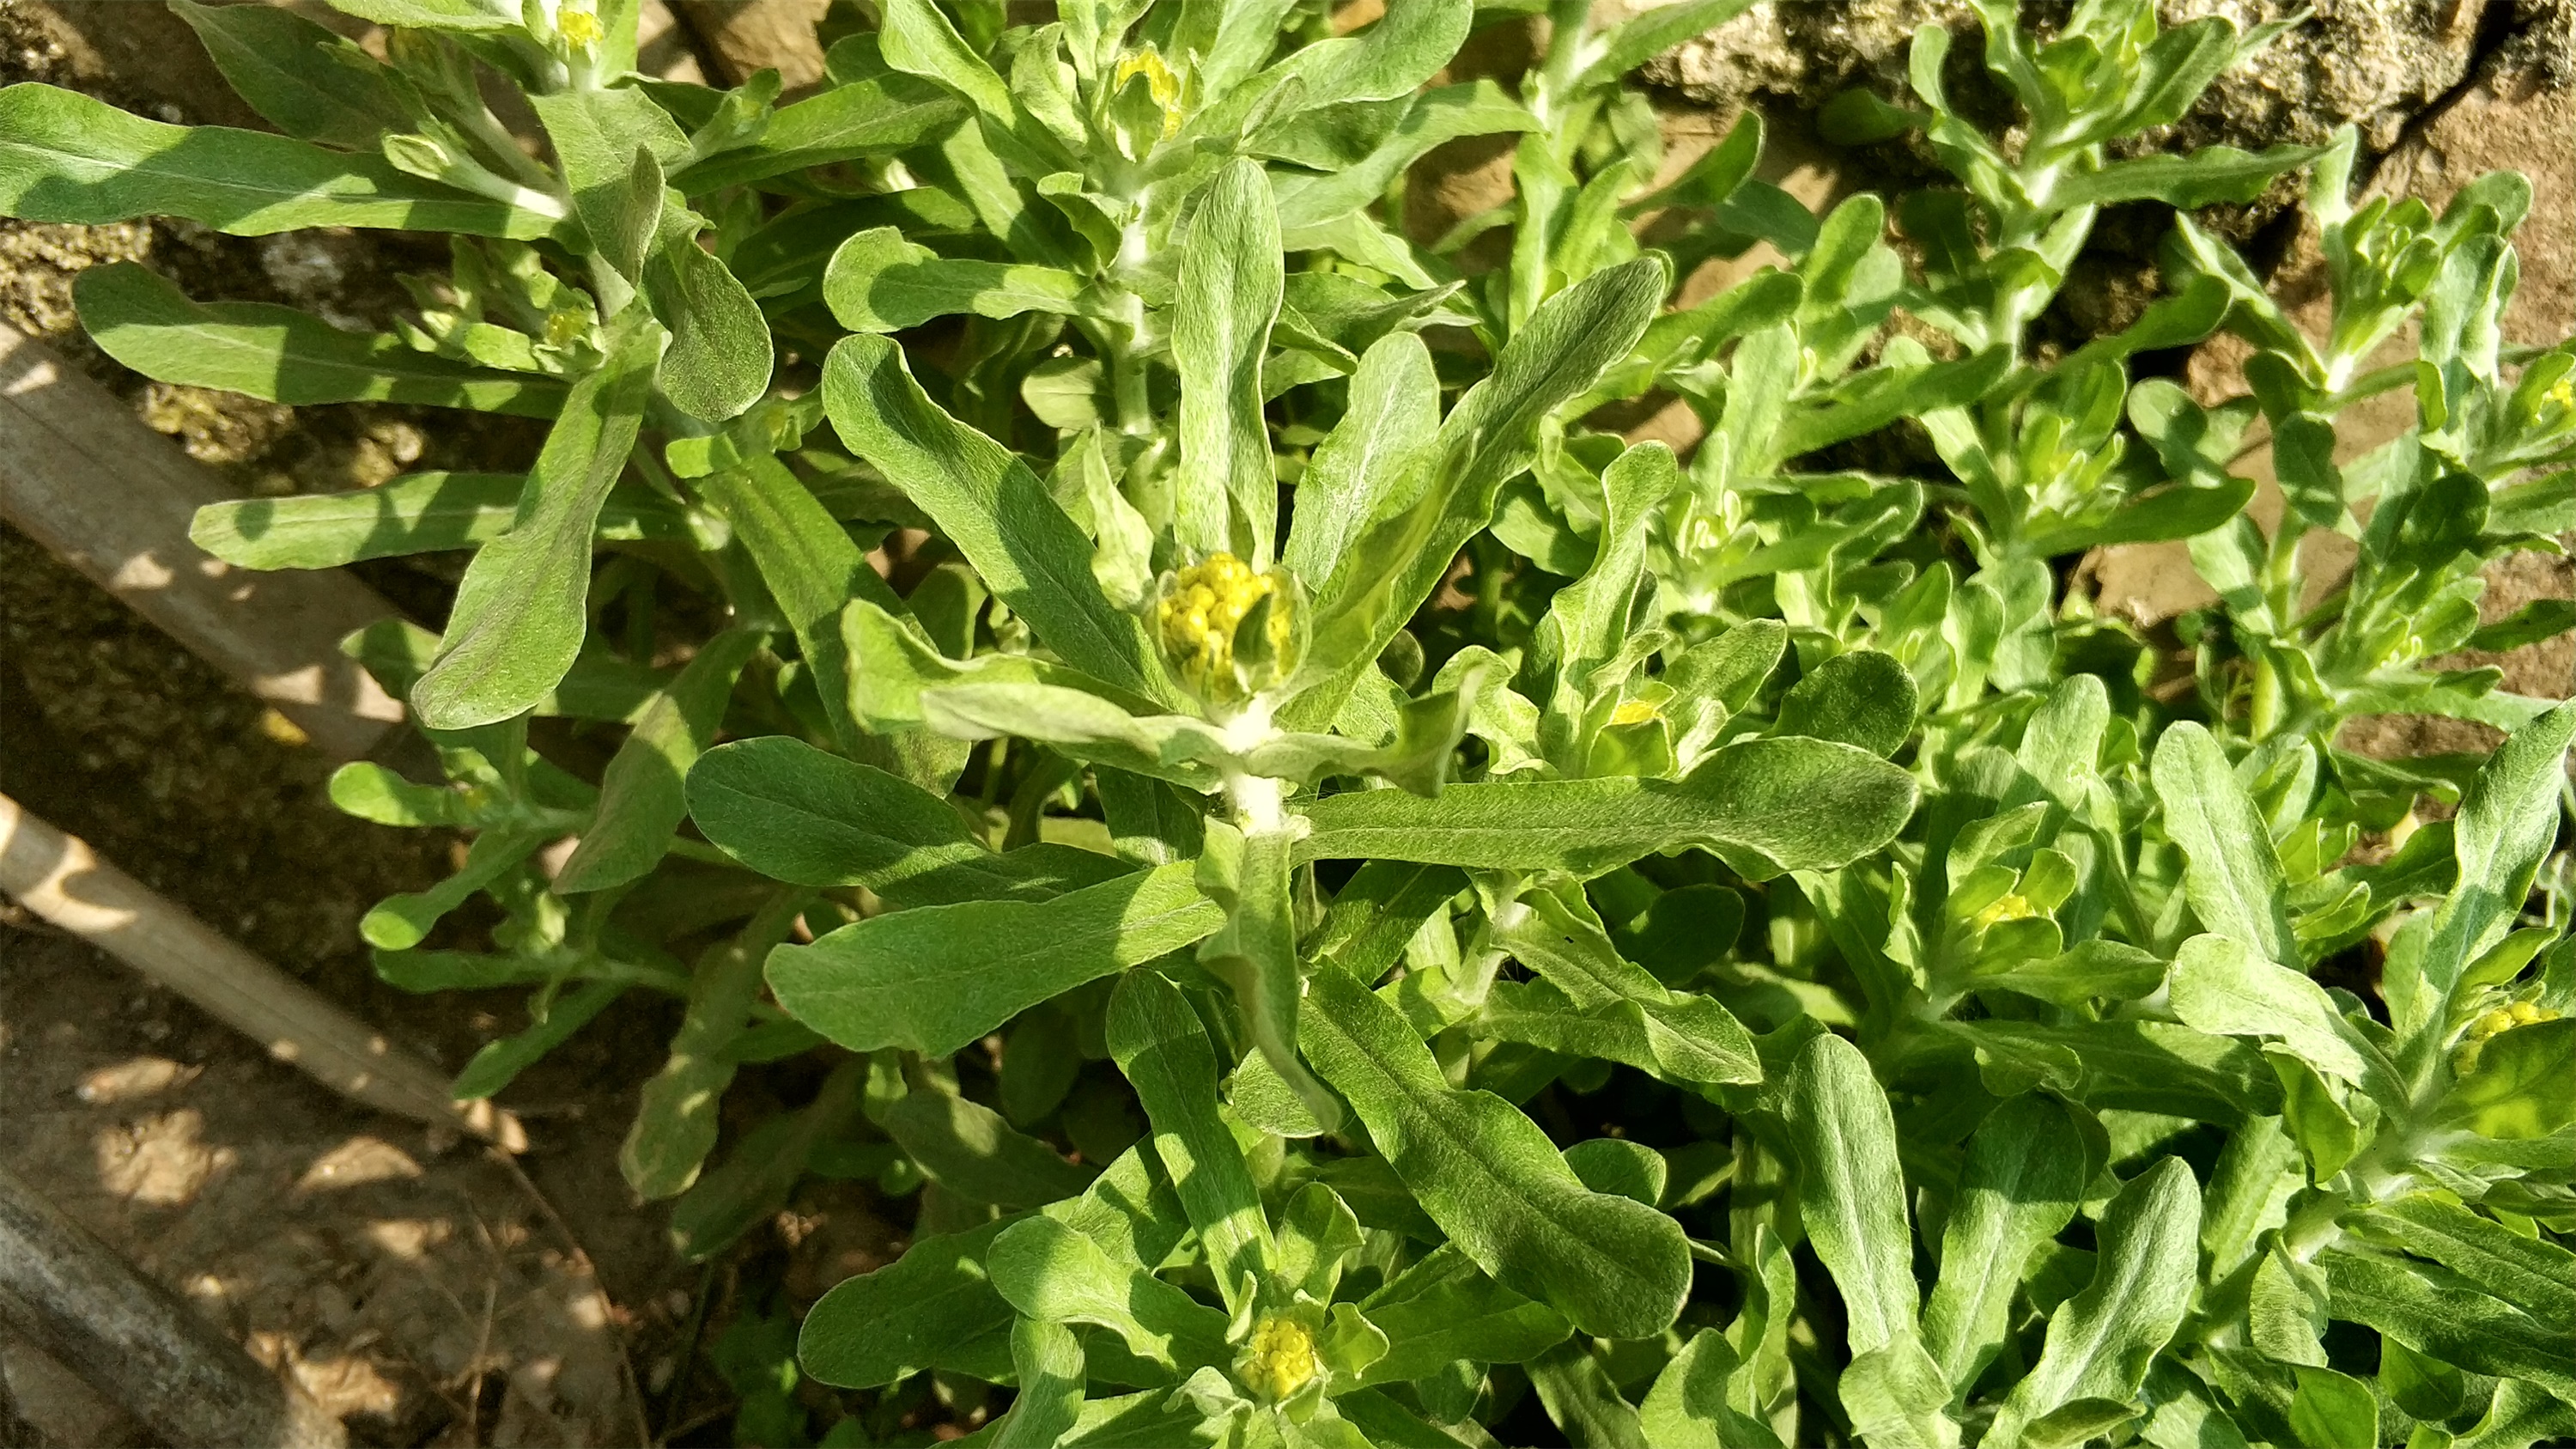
point(579, 23)
point(2494, 1024)
point(1206, 621)
point(1279, 1358)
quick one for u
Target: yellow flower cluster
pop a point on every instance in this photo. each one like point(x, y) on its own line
point(2006, 907)
point(2564, 393)
point(1160, 82)
point(2495, 1024)
point(1279, 1360)
point(1198, 616)
point(579, 22)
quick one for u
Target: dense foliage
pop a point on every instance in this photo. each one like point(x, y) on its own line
point(1366, 908)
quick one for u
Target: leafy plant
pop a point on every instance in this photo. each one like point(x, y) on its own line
point(1362, 905)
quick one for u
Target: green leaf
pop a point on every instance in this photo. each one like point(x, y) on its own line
point(753, 1183)
point(1640, 39)
point(934, 1307)
point(873, 115)
point(2024, 1174)
point(642, 795)
point(879, 282)
point(991, 506)
point(1897, 1398)
point(2086, 971)
point(283, 355)
point(1223, 305)
point(935, 978)
point(308, 82)
point(1768, 806)
point(918, 39)
point(720, 356)
point(1863, 698)
point(1394, 410)
point(2148, 1066)
point(1587, 623)
point(459, 15)
point(1690, 1404)
point(2533, 1274)
point(1048, 1361)
point(2442, 1315)
point(1318, 1233)
point(2524, 1085)
point(968, 1149)
point(1444, 1310)
point(802, 815)
point(2233, 879)
point(1851, 1191)
point(400, 922)
point(2533, 622)
point(1489, 1177)
point(2101, 1341)
point(812, 570)
point(1158, 1042)
point(1575, 1387)
point(2221, 987)
point(676, 1118)
point(1183, 749)
point(1378, 911)
point(1251, 875)
point(2507, 823)
point(1620, 1168)
point(1688, 1038)
point(1880, 395)
point(1406, 47)
point(2204, 177)
point(415, 513)
point(65, 157)
point(1048, 1270)
point(613, 145)
point(1487, 438)
point(2520, 1416)
point(499, 1062)
point(518, 618)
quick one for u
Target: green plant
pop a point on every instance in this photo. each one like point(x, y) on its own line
point(1362, 906)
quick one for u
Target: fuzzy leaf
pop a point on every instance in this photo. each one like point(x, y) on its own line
point(65, 157)
point(281, 354)
point(1489, 1176)
point(518, 620)
point(935, 978)
point(1767, 805)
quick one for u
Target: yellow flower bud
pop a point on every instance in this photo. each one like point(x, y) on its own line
point(1632, 711)
point(2009, 907)
point(1199, 621)
point(2491, 1024)
point(564, 327)
point(1279, 1360)
point(579, 22)
point(2523, 1013)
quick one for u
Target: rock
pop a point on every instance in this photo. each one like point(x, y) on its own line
point(2377, 63)
point(749, 35)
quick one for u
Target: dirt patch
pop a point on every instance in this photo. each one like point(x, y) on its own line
point(407, 1280)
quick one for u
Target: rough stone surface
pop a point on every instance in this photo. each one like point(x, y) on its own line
point(2377, 63)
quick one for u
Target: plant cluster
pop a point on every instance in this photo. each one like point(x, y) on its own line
point(1365, 908)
